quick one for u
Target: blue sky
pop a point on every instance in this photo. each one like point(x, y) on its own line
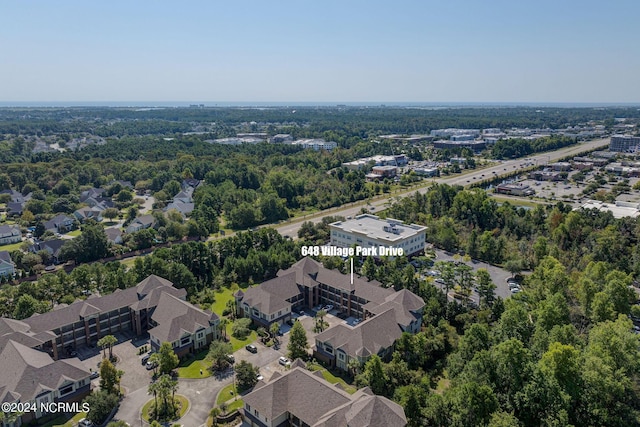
point(320, 51)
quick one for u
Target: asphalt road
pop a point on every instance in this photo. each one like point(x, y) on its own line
point(502, 168)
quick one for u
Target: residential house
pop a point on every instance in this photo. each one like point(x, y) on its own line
point(16, 196)
point(53, 247)
point(7, 267)
point(10, 234)
point(184, 209)
point(141, 223)
point(92, 193)
point(60, 224)
point(16, 205)
point(303, 398)
point(188, 328)
point(190, 183)
point(85, 213)
point(114, 235)
point(94, 198)
point(15, 208)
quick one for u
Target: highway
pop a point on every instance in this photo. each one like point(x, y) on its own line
point(502, 168)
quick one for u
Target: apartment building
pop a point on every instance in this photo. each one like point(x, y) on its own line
point(85, 322)
point(188, 328)
point(384, 323)
point(301, 398)
point(306, 284)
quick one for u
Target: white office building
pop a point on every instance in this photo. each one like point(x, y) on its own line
point(370, 231)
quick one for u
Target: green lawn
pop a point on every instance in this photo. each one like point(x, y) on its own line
point(331, 378)
point(237, 404)
point(11, 247)
point(225, 394)
point(184, 405)
point(62, 421)
point(74, 233)
point(191, 368)
point(222, 297)
point(238, 344)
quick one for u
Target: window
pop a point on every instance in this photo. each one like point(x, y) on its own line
point(185, 341)
point(256, 413)
point(248, 407)
point(66, 390)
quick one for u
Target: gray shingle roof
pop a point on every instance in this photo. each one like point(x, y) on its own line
point(264, 301)
point(298, 392)
point(316, 402)
point(27, 372)
point(175, 318)
point(365, 339)
point(131, 297)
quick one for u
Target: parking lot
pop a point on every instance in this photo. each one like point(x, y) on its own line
point(498, 275)
point(129, 361)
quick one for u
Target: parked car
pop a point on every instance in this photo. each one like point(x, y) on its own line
point(284, 361)
point(230, 358)
point(328, 307)
point(150, 366)
point(145, 358)
point(85, 423)
point(259, 377)
point(94, 375)
point(251, 348)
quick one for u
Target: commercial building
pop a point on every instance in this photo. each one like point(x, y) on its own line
point(624, 143)
point(547, 175)
point(316, 144)
point(428, 172)
point(446, 133)
point(381, 172)
point(515, 189)
point(303, 398)
point(395, 160)
point(560, 166)
point(474, 145)
point(370, 231)
point(618, 209)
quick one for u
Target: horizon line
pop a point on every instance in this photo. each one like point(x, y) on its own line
point(174, 104)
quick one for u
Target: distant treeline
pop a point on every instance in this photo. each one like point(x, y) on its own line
point(519, 147)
